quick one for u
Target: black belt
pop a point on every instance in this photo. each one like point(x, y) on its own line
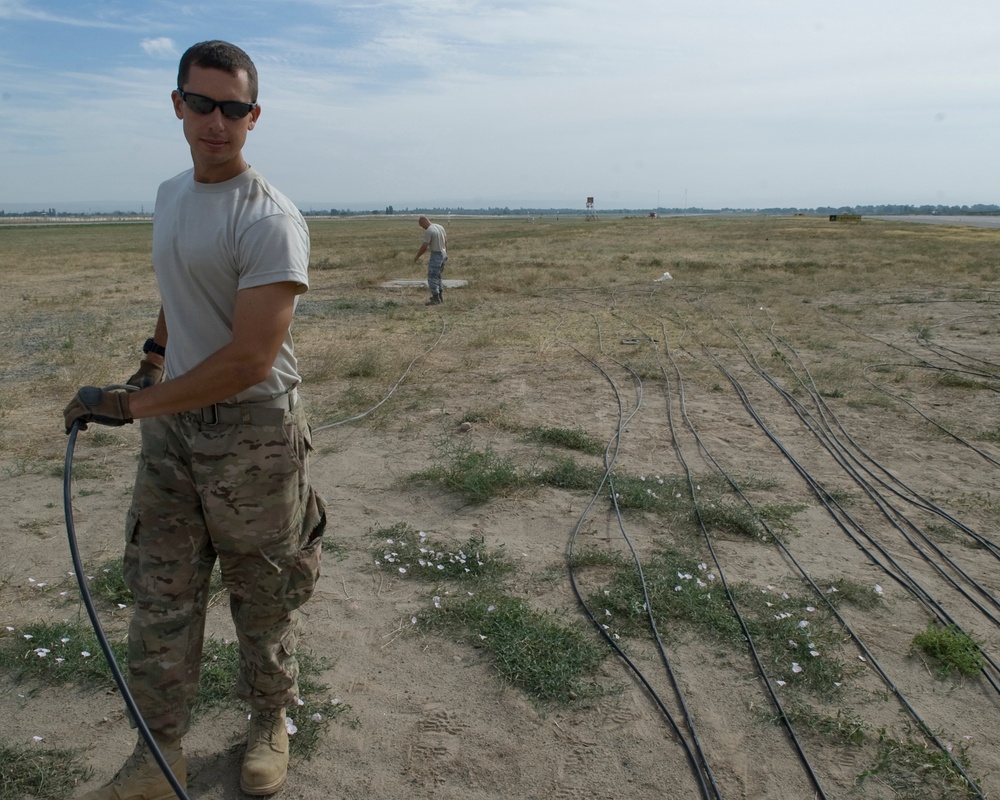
point(262, 412)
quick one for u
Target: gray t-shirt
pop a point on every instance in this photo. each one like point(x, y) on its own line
point(435, 238)
point(209, 241)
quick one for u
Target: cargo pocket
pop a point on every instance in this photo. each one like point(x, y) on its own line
point(304, 571)
point(130, 558)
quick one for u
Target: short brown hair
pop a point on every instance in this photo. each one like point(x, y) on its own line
point(217, 54)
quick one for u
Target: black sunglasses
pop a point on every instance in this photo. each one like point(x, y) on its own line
point(231, 109)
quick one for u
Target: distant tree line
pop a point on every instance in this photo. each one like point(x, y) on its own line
point(894, 210)
point(492, 211)
point(51, 212)
point(863, 210)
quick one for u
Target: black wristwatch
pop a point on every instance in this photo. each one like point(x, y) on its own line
point(152, 347)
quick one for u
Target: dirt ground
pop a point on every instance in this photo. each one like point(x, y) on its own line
point(895, 327)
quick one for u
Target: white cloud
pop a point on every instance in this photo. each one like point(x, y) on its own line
point(162, 47)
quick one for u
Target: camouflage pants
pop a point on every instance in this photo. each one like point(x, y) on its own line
point(435, 266)
point(239, 494)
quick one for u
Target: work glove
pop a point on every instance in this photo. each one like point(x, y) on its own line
point(148, 374)
point(103, 406)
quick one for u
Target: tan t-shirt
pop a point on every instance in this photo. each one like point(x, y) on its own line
point(435, 238)
point(209, 241)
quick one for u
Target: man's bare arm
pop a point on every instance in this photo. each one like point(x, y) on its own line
point(261, 319)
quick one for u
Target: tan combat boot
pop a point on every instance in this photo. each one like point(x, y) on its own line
point(265, 764)
point(141, 778)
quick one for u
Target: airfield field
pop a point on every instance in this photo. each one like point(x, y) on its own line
point(560, 504)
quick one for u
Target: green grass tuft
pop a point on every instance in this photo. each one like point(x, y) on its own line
point(409, 553)
point(533, 651)
point(548, 660)
point(798, 641)
point(479, 475)
point(951, 650)
point(915, 769)
point(56, 653)
point(41, 773)
point(572, 439)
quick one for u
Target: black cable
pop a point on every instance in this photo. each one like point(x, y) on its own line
point(698, 762)
point(803, 758)
point(842, 454)
point(81, 580)
point(817, 489)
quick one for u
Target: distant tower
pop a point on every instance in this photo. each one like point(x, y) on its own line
point(591, 214)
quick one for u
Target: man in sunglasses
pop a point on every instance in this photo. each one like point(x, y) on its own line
point(223, 469)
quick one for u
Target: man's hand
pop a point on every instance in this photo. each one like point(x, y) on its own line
point(148, 374)
point(103, 406)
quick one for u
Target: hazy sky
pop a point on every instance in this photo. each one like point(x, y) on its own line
point(711, 103)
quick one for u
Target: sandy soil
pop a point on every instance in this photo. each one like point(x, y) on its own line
point(430, 717)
